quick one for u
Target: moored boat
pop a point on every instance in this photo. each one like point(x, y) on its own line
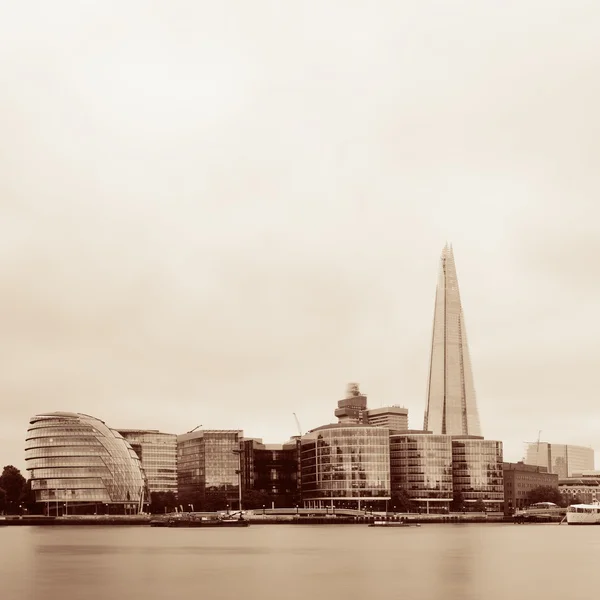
point(584, 514)
point(393, 524)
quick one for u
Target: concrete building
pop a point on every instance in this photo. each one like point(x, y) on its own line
point(520, 479)
point(353, 408)
point(79, 465)
point(562, 459)
point(451, 403)
point(391, 417)
point(208, 468)
point(158, 453)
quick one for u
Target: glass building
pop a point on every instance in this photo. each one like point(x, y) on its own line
point(421, 465)
point(451, 403)
point(158, 453)
point(345, 465)
point(79, 465)
point(207, 468)
point(564, 460)
point(477, 471)
point(271, 470)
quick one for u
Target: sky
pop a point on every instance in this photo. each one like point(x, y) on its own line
point(220, 213)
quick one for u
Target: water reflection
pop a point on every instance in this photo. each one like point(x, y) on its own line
point(450, 562)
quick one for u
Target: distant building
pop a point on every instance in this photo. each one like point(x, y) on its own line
point(391, 417)
point(270, 470)
point(520, 479)
point(421, 465)
point(562, 459)
point(477, 471)
point(207, 467)
point(580, 489)
point(158, 453)
point(353, 408)
point(451, 403)
point(78, 465)
point(345, 465)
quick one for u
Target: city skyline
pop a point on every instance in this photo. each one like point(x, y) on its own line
point(199, 230)
point(451, 405)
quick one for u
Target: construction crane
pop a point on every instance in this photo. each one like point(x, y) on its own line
point(298, 425)
point(192, 430)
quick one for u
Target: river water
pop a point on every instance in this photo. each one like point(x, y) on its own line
point(281, 562)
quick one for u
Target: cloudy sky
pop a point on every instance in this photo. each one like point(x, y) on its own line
point(220, 213)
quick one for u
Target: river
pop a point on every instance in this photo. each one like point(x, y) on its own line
point(281, 562)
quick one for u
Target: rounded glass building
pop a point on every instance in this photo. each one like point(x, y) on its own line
point(346, 466)
point(78, 465)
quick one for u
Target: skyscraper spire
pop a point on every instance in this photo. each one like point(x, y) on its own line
point(451, 404)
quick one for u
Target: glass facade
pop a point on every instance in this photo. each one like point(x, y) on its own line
point(345, 465)
point(158, 453)
point(270, 469)
point(207, 463)
point(76, 463)
point(477, 471)
point(451, 403)
point(421, 465)
point(564, 460)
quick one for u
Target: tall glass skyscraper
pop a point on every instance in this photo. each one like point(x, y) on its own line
point(451, 404)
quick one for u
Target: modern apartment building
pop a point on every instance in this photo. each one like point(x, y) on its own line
point(158, 453)
point(562, 459)
point(451, 404)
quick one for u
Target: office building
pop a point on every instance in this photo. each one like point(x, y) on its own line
point(345, 465)
point(207, 468)
point(451, 403)
point(353, 408)
point(477, 472)
point(421, 466)
point(78, 465)
point(269, 474)
point(158, 454)
point(562, 459)
point(391, 417)
point(519, 480)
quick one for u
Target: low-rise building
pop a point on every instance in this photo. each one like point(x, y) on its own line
point(520, 479)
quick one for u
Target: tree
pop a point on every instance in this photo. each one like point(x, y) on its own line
point(458, 502)
point(544, 493)
point(12, 482)
point(479, 505)
point(255, 499)
point(2, 501)
point(401, 501)
point(161, 502)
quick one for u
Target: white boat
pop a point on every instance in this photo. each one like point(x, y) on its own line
point(584, 514)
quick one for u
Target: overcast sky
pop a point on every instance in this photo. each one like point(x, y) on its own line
point(221, 213)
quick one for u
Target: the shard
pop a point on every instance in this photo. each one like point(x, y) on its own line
point(451, 404)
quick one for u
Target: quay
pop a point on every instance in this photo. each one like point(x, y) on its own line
point(277, 516)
